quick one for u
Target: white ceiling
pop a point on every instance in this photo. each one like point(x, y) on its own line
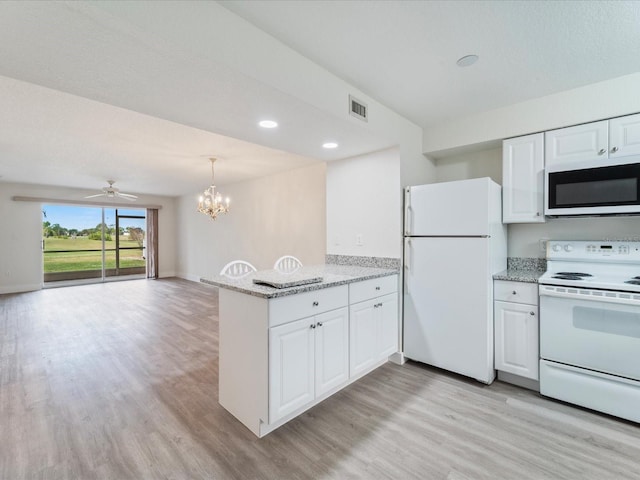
point(49, 137)
point(403, 53)
point(85, 96)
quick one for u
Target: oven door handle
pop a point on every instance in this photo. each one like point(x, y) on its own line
point(620, 298)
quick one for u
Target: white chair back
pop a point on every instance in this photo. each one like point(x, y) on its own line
point(287, 264)
point(237, 269)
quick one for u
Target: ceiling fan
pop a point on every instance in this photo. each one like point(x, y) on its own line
point(112, 192)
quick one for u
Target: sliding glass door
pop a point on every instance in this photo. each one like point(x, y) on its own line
point(92, 244)
point(128, 255)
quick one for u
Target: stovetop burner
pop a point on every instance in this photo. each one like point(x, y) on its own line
point(575, 274)
point(633, 282)
point(568, 277)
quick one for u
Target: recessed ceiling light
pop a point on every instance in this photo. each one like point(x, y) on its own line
point(268, 124)
point(330, 145)
point(467, 60)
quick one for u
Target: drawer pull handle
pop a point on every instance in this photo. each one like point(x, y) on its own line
point(315, 304)
point(319, 324)
point(614, 149)
point(531, 313)
point(312, 326)
point(377, 288)
point(601, 151)
point(514, 292)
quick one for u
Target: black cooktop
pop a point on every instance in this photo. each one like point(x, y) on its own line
point(571, 275)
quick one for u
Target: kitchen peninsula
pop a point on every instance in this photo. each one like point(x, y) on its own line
point(283, 350)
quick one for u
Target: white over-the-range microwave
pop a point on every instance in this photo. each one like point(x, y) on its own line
point(589, 188)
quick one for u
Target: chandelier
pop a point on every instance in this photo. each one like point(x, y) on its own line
point(210, 203)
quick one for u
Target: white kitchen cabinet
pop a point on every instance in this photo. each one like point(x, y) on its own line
point(597, 142)
point(280, 356)
point(582, 143)
point(523, 179)
point(516, 327)
point(624, 136)
point(307, 358)
point(362, 336)
point(331, 350)
point(291, 367)
point(388, 326)
point(373, 332)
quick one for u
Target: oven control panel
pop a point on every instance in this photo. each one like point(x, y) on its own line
point(594, 250)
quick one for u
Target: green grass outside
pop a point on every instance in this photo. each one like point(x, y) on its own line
point(77, 261)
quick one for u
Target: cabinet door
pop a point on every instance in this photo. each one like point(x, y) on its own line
point(523, 179)
point(516, 339)
point(624, 136)
point(362, 337)
point(291, 367)
point(581, 143)
point(387, 312)
point(332, 350)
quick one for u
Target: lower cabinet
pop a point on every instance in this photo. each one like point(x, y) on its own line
point(373, 332)
point(307, 358)
point(516, 329)
point(280, 356)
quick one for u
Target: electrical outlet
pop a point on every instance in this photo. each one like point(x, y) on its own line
point(543, 244)
point(359, 241)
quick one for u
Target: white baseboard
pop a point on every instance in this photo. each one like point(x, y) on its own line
point(519, 381)
point(167, 274)
point(21, 288)
point(188, 276)
point(398, 358)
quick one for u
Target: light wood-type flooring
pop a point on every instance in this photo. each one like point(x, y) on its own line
point(119, 381)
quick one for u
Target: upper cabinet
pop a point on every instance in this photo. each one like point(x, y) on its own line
point(624, 136)
point(523, 179)
point(593, 142)
point(580, 143)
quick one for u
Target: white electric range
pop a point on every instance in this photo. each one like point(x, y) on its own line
point(590, 325)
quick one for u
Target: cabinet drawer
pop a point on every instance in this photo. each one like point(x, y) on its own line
point(375, 287)
point(293, 307)
point(518, 292)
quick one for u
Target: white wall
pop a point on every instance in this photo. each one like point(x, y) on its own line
point(484, 163)
point(20, 242)
point(364, 197)
point(21, 235)
point(524, 238)
point(611, 98)
point(282, 214)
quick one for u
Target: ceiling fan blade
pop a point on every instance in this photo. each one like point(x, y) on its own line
point(97, 195)
point(128, 196)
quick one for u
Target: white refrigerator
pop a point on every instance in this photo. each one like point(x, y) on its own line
point(454, 243)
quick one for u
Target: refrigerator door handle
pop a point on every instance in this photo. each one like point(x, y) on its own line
point(407, 256)
point(407, 211)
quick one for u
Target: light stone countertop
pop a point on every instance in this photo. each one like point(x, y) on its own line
point(332, 276)
point(519, 275)
point(523, 269)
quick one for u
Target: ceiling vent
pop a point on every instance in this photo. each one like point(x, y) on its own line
point(357, 108)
